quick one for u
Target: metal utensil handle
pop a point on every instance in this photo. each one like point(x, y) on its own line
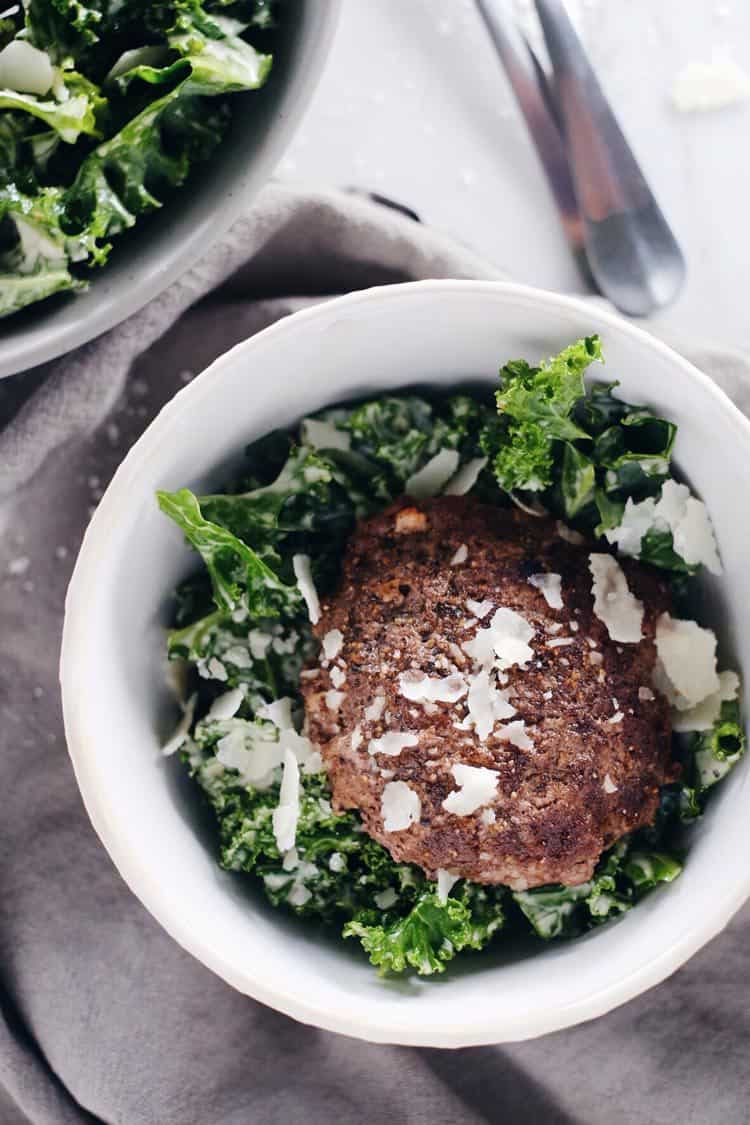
point(544, 130)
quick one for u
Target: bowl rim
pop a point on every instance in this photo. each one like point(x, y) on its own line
point(40, 343)
point(504, 1027)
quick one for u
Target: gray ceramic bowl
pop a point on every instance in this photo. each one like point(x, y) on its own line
point(159, 249)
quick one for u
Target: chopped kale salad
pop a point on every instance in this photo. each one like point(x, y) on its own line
point(105, 108)
point(271, 549)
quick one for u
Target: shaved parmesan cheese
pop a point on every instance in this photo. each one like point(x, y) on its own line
point(550, 585)
point(515, 733)
point(704, 86)
point(569, 534)
point(675, 511)
point(303, 574)
point(616, 718)
point(392, 743)
point(384, 900)
point(693, 536)
point(704, 715)
point(338, 677)
point(504, 642)
point(181, 731)
point(374, 712)
point(255, 759)
point(645, 694)
point(560, 642)
point(466, 477)
point(400, 806)
point(259, 643)
point(299, 895)
point(312, 764)
point(324, 435)
point(432, 477)
point(445, 883)
point(685, 670)
point(216, 670)
point(334, 699)
point(337, 862)
point(488, 816)
point(479, 609)
point(636, 520)
point(477, 787)
point(609, 785)
point(461, 555)
point(238, 656)
point(226, 706)
point(332, 642)
point(279, 713)
point(25, 68)
point(487, 705)
point(356, 739)
point(286, 813)
point(614, 604)
point(423, 689)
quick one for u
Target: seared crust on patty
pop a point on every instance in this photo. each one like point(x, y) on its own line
point(601, 748)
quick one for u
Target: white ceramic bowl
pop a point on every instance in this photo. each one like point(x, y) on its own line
point(163, 246)
point(117, 710)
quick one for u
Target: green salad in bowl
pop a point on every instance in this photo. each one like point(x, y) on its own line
point(106, 107)
point(440, 673)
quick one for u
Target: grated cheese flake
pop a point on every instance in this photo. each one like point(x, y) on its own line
point(384, 900)
point(332, 642)
point(286, 814)
point(703, 86)
point(279, 713)
point(515, 734)
point(704, 714)
point(260, 643)
point(227, 705)
point(182, 730)
point(324, 435)
point(334, 699)
point(432, 477)
point(254, 758)
point(421, 688)
point(466, 477)
point(338, 677)
point(550, 586)
point(460, 556)
point(303, 574)
point(487, 704)
point(477, 787)
point(614, 605)
point(374, 712)
point(678, 512)
point(685, 670)
point(503, 643)
point(445, 883)
point(392, 743)
point(400, 806)
point(479, 609)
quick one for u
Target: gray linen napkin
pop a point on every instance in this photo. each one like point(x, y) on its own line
point(104, 1018)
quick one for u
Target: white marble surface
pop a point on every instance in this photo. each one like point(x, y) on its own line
point(414, 104)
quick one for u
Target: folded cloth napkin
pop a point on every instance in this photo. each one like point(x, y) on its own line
point(104, 1017)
